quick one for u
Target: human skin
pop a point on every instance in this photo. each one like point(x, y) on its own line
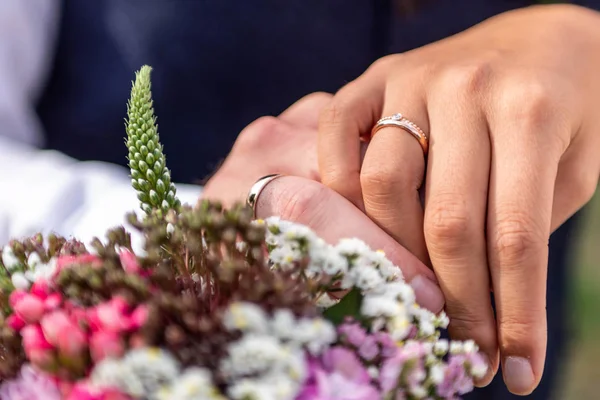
point(287, 145)
point(510, 109)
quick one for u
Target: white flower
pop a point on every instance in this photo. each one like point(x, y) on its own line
point(335, 264)
point(440, 347)
point(469, 347)
point(352, 247)
point(33, 259)
point(326, 301)
point(150, 368)
point(10, 261)
point(246, 316)
point(250, 389)
point(400, 290)
point(110, 373)
point(170, 228)
point(254, 354)
point(426, 328)
point(367, 278)
point(283, 324)
point(19, 281)
point(418, 391)
point(373, 372)
point(456, 347)
point(381, 306)
point(478, 370)
point(442, 320)
point(194, 384)
point(398, 327)
point(315, 334)
point(42, 270)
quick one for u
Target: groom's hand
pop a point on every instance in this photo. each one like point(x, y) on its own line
point(287, 145)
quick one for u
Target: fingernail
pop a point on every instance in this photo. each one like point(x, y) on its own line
point(489, 375)
point(428, 294)
point(518, 375)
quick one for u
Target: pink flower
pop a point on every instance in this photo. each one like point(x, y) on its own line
point(72, 341)
point(30, 308)
point(16, 296)
point(54, 324)
point(37, 349)
point(106, 344)
point(139, 316)
point(40, 288)
point(129, 262)
point(83, 391)
point(15, 322)
point(53, 301)
point(110, 316)
point(33, 338)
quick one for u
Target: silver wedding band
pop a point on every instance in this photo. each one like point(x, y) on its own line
point(256, 190)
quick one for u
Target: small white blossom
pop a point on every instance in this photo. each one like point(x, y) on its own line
point(10, 261)
point(315, 334)
point(254, 354)
point(283, 324)
point(367, 278)
point(381, 306)
point(469, 347)
point(326, 301)
point(19, 281)
point(194, 384)
point(441, 347)
point(436, 373)
point(246, 316)
point(456, 347)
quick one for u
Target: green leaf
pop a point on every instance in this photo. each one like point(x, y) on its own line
point(349, 306)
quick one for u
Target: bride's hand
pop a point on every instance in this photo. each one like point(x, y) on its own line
point(511, 110)
point(287, 145)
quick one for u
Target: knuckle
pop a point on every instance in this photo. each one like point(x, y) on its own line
point(447, 223)
point(531, 102)
point(318, 97)
point(258, 133)
point(379, 180)
point(522, 332)
point(469, 79)
point(334, 113)
point(463, 322)
point(384, 63)
point(516, 239)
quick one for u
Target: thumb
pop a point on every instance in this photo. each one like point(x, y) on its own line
point(332, 217)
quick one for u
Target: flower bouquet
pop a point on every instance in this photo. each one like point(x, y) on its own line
point(217, 306)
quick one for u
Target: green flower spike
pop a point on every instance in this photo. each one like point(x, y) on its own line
point(150, 176)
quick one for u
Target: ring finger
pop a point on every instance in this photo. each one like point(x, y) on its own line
point(390, 184)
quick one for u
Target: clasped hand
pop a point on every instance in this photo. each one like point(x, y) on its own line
point(510, 108)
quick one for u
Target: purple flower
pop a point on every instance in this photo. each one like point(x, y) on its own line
point(389, 347)
point(456, 380)
point(352, 332)
point(30, 385)
point(339, 375)
point(369, 349)
point(393, 367)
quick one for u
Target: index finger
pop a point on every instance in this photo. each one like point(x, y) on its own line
point(333, 218)
point(352, 113)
